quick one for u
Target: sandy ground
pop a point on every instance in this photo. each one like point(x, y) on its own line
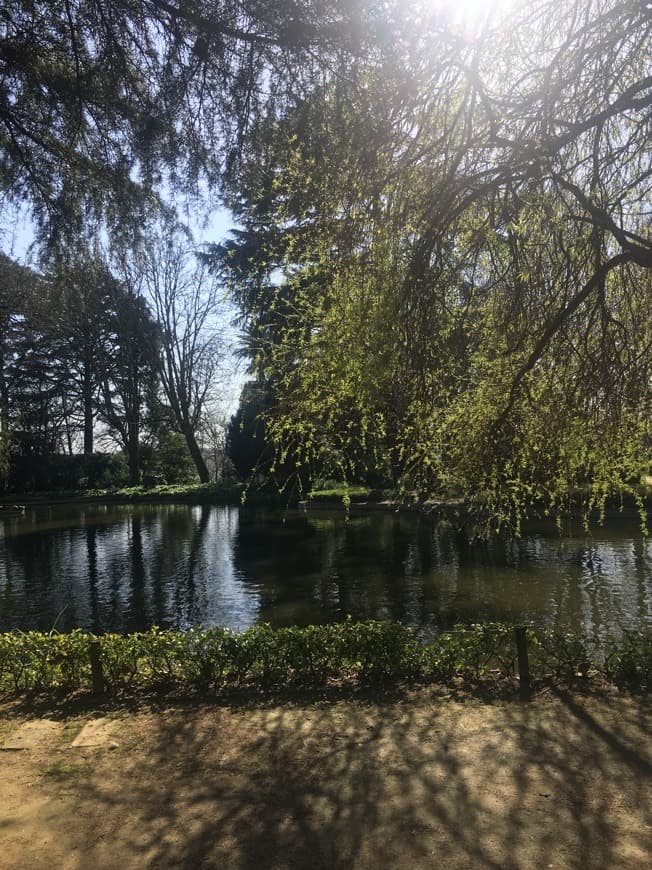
point(563, 782)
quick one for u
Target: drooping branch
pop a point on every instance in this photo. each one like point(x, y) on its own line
point(553, 327)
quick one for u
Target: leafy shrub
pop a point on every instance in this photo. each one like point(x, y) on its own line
point(168, 463)
point(563, 656)
point(345, 494)
point(472, 652)
point(368, 652)
point(105, 470)
point(195, 492)
point(629, 662)
point(33, 661)
point(207, 657)
point(64, 473)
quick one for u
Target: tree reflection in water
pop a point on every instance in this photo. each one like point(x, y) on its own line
point(125, 568)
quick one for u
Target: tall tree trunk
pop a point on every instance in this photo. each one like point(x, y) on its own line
point(134, 467)
point(196, 454)
point(4, 424)
point(88, 407)
point(69, 435)
point(133, 455)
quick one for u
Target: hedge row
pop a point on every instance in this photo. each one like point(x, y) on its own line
point(369, 652)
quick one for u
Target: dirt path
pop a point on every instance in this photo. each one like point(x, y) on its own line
point(561, 783)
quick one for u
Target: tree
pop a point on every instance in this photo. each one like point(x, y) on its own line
point(186, 304)
point(247, 447)
point(466, 261)
point(14, 282)
point(82, 294)
point(214, 432)
point(460, 220)
point(34, 406)
point(128, 371)
point(102, 100)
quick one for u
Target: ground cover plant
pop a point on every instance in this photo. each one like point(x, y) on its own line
point(215, 659)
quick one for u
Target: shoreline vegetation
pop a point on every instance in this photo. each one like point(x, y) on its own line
point(352, 499)
point(494, 657)
point(213, 493)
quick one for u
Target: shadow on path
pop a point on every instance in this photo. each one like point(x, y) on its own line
point(561, 782)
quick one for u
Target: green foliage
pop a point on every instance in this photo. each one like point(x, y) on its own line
point(169, 462)
point(629, 662)
point(222, 490)
point(150, 95)
point(105, 470)
point(66, 473)
point(563, 656)
point(343, 493)
point(33, 661)
point(218, 493)
point(77, 346)
point(366, 653)
point(245, 440)
point(472, 652)
point(445, 273)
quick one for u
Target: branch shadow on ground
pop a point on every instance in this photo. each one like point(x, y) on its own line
point(563, 782)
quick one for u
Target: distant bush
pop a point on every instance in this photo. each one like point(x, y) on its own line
point(168, 463)
point(65, 473)
point(368, 652)
point(345, 494)
point(105, 470)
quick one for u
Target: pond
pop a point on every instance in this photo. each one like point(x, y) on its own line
point(125, 568)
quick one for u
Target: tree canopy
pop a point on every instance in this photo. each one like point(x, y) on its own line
point(445, 263)
point(104, 103)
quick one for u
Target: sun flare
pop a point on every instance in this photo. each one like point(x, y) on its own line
point(471, 14)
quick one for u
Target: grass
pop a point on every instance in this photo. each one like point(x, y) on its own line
point(210, 492)
point(183, 490)
point(65, 770)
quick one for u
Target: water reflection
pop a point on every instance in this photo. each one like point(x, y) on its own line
point(124, 568)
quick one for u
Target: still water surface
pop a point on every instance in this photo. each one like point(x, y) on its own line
point(125, 568)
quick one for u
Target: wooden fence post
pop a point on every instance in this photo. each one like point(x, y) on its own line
point(97, 677)
point(523, 663)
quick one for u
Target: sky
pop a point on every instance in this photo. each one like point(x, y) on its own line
point(16, 233)
point(17, 230)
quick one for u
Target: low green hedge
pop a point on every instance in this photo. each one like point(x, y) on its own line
point(368, 652)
